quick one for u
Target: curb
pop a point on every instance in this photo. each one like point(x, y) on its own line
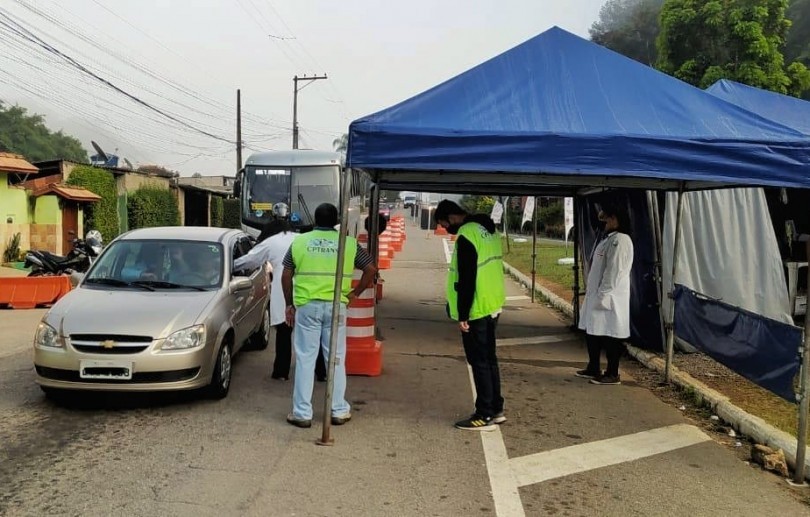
point(747, 424)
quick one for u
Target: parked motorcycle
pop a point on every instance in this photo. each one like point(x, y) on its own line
point(84, 253)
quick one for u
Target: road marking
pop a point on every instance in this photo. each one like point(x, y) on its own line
point(543, 466)
point(516, 298)
point(536, 340)
point(502, 480)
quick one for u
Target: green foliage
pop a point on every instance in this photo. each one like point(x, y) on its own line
point(12, 251)
point(477, 204)
point(230, 214)
point(629, 27)
point(702, 41)
point(103, 215)
point(27, 135)
point(151, 206)
point(217, 208)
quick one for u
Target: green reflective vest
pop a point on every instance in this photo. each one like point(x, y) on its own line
point(490, 294)
point(315, 255)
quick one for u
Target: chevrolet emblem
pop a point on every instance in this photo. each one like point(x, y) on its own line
point(108, 344)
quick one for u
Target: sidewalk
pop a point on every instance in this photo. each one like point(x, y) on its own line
point(569, 447)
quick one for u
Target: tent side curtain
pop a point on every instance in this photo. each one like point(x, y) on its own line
point(762, 350)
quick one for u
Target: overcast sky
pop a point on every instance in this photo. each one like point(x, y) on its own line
point(187, 58)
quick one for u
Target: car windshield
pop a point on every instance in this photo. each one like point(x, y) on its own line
point(159, 264)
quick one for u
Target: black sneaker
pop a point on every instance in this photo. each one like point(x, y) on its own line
point(298, 422)
point(587, 374)
point(499, 418)
point(476, 423)
point(607, 380)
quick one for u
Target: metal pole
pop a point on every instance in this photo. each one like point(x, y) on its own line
point(670, 327)
point(804, 396)
point(374, 213)
point(238, 130)
point(655, 215)
point(295, 113)
point(575, 238)
point(534, 247)
point(326, 438)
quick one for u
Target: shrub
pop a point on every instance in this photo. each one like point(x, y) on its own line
point(12, 251)
point(217, 208)
point(230, 214)
point(152, 206)
point(102, 215)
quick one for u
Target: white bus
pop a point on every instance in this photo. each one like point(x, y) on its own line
point(301, 179)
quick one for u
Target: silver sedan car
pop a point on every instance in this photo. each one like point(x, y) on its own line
point(161, 309)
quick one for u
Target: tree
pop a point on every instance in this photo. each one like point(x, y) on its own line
point(27, 135)
point(341, 144)
point(702, 41)
point(629, 27)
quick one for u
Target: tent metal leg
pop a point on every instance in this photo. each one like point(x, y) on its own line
point(804, 397)
point(575, 238)
point(374, 227)
point(326, 438)
point(534, 247)
point(655, 215)
point(670, 327)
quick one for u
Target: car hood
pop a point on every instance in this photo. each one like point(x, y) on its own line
point(126, 312)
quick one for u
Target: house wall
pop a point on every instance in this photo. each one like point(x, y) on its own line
point(46, 227)
point(13, 208)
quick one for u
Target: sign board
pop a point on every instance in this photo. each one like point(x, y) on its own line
point(569, 215)
point(528, 211)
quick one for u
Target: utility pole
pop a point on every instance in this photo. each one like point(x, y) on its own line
point(238, 130)
point(307, 80)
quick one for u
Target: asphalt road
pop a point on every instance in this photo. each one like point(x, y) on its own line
point(569, 448)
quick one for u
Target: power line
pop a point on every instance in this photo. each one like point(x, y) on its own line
point(28, 35)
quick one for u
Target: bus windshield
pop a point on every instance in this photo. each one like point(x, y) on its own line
point(302, 189)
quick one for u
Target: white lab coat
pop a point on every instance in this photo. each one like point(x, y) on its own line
point(270, 250)
point(606, 311)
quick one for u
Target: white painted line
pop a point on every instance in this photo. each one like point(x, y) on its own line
point(516, 298)
point(502, 480)
point(536, 340)
point(447, 254)
point(543, 466)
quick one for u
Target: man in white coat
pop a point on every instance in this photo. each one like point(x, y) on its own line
point(605, 316)
point(273, 244)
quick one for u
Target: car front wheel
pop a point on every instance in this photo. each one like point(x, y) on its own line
point(221, 379)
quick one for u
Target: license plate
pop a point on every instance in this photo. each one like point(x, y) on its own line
point(111, 370)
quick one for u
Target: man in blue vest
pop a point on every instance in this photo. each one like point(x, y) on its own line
point(475, 298)
point(308, 283)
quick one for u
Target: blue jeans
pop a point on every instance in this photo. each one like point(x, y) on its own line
point(312, 330)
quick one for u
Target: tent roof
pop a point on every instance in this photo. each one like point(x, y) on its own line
point(561, 111)
point(790, 111)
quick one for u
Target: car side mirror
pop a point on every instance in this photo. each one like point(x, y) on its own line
point(240, 283)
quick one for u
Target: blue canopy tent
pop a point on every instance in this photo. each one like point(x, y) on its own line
point(560, 110)
point(558, 113)
point(789, 111)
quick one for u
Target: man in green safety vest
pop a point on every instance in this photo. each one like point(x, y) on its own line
point(308, 283)
point(475, 298)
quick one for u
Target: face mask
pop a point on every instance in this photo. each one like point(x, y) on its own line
point(453, 229)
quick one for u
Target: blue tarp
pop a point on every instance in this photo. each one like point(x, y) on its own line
point(735, 338)
point(561, 106)
point(789, 111)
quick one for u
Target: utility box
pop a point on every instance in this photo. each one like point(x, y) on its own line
point(797, 287)
point(426, 221)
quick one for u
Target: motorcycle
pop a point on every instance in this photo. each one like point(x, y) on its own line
point(79, 259)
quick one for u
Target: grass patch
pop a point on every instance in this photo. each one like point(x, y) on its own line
point(548, 253)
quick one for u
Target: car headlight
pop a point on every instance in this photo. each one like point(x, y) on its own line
point(47, 336)
point(187, 338)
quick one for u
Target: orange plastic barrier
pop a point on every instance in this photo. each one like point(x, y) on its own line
point(363, 351)
point(380, 289)
point(28, 292)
